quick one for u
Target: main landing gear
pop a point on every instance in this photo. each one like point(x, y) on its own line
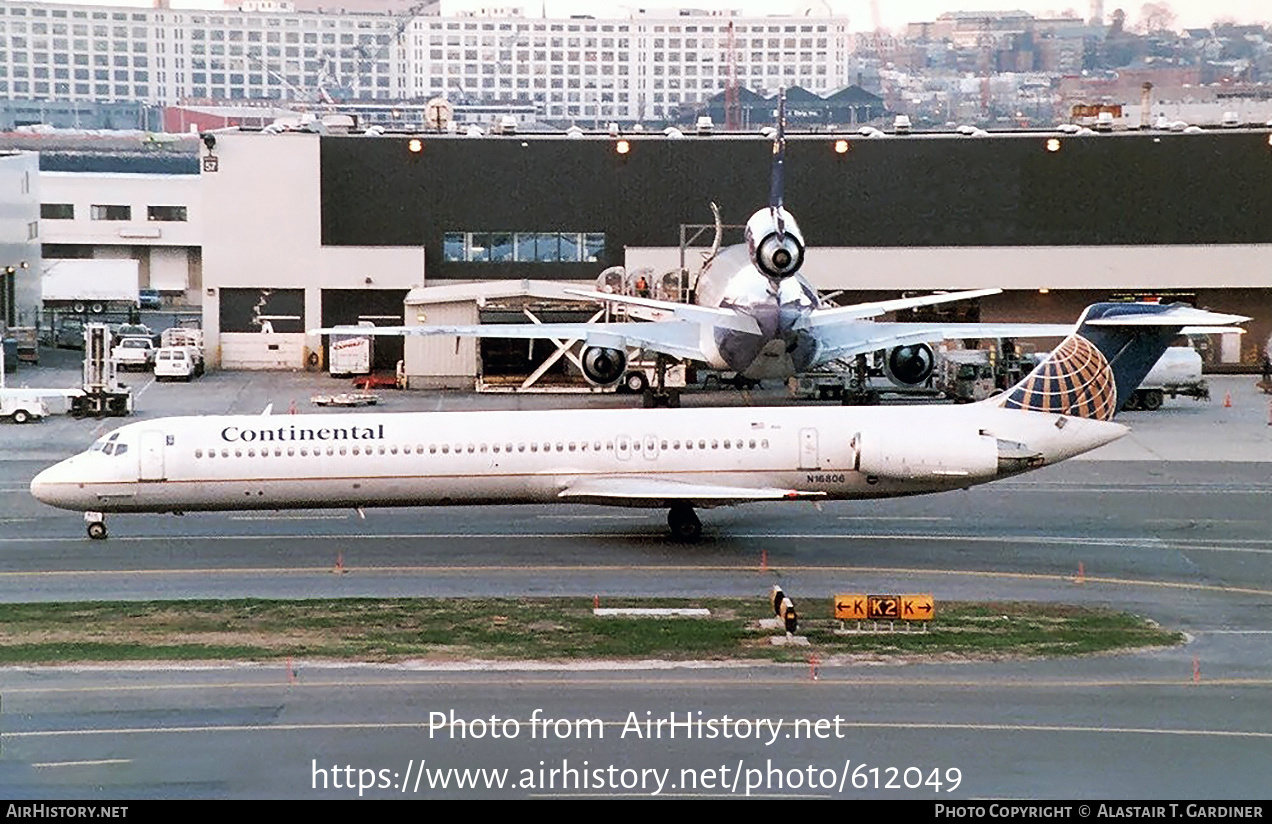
point(95, 522)
point(659, 395)
point(665, 398)
point(684, 523)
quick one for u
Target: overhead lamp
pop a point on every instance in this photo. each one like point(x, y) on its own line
point(1053, 144)
point(622, 147)
point(415, 145)
point(842, 146)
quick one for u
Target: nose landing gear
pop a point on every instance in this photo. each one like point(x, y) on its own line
point(96, 524)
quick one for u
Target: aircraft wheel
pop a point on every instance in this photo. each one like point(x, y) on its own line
point(1152, 399)
point(97, 530)
point(684, 523)
point(1132, 403)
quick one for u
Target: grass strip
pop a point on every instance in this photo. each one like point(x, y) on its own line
point(552, 629)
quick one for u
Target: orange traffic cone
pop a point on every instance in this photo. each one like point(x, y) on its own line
point(1227, 400)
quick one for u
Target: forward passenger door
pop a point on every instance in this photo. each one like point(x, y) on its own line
point(151, 456)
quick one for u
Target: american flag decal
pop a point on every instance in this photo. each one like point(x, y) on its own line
point(1074, 380)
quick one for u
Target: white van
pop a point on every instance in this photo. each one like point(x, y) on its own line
point(178, 362)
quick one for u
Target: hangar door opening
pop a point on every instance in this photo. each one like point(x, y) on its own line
point(383, 307)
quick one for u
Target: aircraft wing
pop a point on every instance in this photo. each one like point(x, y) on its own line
point(663, 310)
point(640, 491)
point(860, 311)
point(678, 338)
point(843, 340)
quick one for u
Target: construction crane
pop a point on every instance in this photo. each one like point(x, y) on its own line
point(298, 94)
point(732, 111)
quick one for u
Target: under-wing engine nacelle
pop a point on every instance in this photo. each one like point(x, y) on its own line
point(909, 365)
point(603, 366)
point(775, 243)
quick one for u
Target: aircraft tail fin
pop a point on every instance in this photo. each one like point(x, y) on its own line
point(777, 182)
point(1097, 367)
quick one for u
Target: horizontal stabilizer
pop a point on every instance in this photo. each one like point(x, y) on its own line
point(1093, 372)
point(1175, 315)
point(637, 491)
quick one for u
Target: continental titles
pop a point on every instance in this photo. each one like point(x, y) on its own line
point(301, 433)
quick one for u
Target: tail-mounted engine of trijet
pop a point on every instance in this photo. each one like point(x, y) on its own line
point(775, 242)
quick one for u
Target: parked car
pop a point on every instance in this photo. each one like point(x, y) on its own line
point(178, 362)
point(70, 334)
point(135, 330)
point(134, 353)
point(149, 299)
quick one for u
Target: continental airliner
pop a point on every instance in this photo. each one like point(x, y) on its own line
point(673, 459)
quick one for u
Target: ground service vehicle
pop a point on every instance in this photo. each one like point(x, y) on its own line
point(1177, 372)
point(965, 375)
point(21, 410)
point(178, 363)
point(134, 353)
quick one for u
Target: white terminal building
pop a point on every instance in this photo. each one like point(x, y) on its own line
point(639, 67)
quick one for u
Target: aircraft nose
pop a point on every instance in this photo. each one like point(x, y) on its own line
point(52, 485)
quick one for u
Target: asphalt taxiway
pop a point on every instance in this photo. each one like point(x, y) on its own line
point(1172, 522)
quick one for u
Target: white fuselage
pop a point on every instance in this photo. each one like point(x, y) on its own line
point(445, 458)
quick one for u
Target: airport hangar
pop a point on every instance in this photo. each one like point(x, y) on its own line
point(302, 229)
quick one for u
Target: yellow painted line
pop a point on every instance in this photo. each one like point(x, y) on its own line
point(1234, 545)
point(537, 569)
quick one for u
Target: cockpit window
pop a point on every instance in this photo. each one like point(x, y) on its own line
point(109, 445)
